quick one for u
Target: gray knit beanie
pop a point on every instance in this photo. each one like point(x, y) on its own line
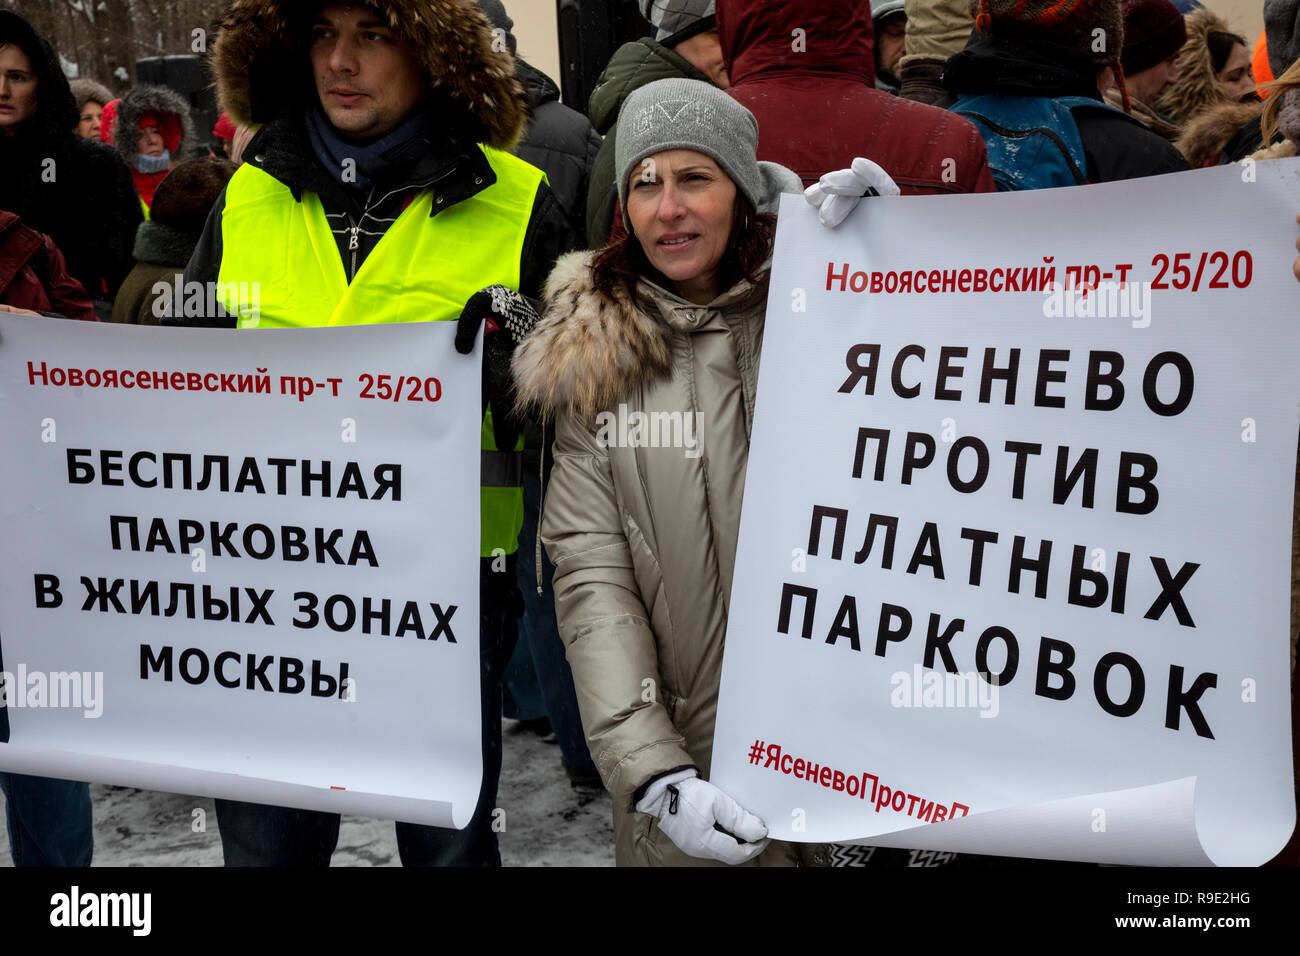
point(693, 114)
point(678, 20)
point(1282, 27)
point(688, 114)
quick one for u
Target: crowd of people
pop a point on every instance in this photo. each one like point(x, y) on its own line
point(640, 238)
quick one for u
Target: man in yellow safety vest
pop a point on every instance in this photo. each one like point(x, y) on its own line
point(379, 188)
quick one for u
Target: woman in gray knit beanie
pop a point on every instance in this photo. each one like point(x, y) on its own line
point(662, 326)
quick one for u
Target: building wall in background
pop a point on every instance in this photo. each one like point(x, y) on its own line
point(535, 31)
point(1244, 16)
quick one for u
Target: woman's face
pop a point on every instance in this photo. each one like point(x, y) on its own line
point(1235, 75)
point(151, 141)
point(91, 114)
point(681, 206)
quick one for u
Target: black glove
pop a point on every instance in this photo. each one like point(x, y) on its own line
point(511, 317)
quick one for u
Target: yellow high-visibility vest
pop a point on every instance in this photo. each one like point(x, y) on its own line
point(423, 269)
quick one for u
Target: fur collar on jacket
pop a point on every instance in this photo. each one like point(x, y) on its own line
point(1204, 138)
point(588, 350)
point(163, 245)
point(261, 67)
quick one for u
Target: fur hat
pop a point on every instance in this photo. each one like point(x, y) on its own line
point(1153, 32)
point(184, 199)
point(260, 59)
point(87, 90)
point(678, 20)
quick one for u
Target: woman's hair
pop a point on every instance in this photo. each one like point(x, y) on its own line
point(1273, 105)
point(1221, 45)
point(621, 264)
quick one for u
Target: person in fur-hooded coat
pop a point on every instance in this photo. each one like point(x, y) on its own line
point(1209, 118)
point(168, 112)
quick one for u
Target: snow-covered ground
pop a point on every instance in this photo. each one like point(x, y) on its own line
point(547, 822)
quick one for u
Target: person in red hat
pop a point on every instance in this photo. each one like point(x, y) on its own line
point(225, 132)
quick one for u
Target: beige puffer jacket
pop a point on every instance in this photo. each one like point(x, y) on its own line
point(644, 538)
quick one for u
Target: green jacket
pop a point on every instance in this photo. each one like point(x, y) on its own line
point(632, 66)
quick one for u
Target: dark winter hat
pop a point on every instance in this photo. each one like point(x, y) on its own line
point(1153, 32)
point(1282, 27)
point(495, 11)
point(56, 113)
point(185, 197)
point(886, 8)
point(678, 20)
point(1072, 23)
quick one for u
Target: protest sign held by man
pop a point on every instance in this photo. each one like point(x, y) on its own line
point(378, 189)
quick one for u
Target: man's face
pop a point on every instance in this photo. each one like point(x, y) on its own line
point(17, 88)
point(1145, 85)
point(151, 141)
point(368, 78)
point(704, 52)
point(891, 41)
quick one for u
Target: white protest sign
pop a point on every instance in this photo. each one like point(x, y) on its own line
point(1017, 559)
point(243, 564)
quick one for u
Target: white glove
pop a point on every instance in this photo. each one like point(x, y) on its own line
point(837, 193)
point(690, 810)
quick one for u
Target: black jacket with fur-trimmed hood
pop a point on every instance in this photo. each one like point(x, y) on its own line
point(264, 77)
point(76, 191)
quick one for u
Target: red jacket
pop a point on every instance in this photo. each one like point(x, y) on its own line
point(34, 276)
point(807, 72)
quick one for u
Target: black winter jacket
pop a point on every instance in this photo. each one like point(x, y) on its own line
point(1116, 146)
point(562, 143)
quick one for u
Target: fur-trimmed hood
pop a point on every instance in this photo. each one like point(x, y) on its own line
point(261, 66)
point(1198, 87)
point(175, 124)
point(589, 350)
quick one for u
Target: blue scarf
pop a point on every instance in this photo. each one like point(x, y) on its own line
point(381, 161)
point(153, 164)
